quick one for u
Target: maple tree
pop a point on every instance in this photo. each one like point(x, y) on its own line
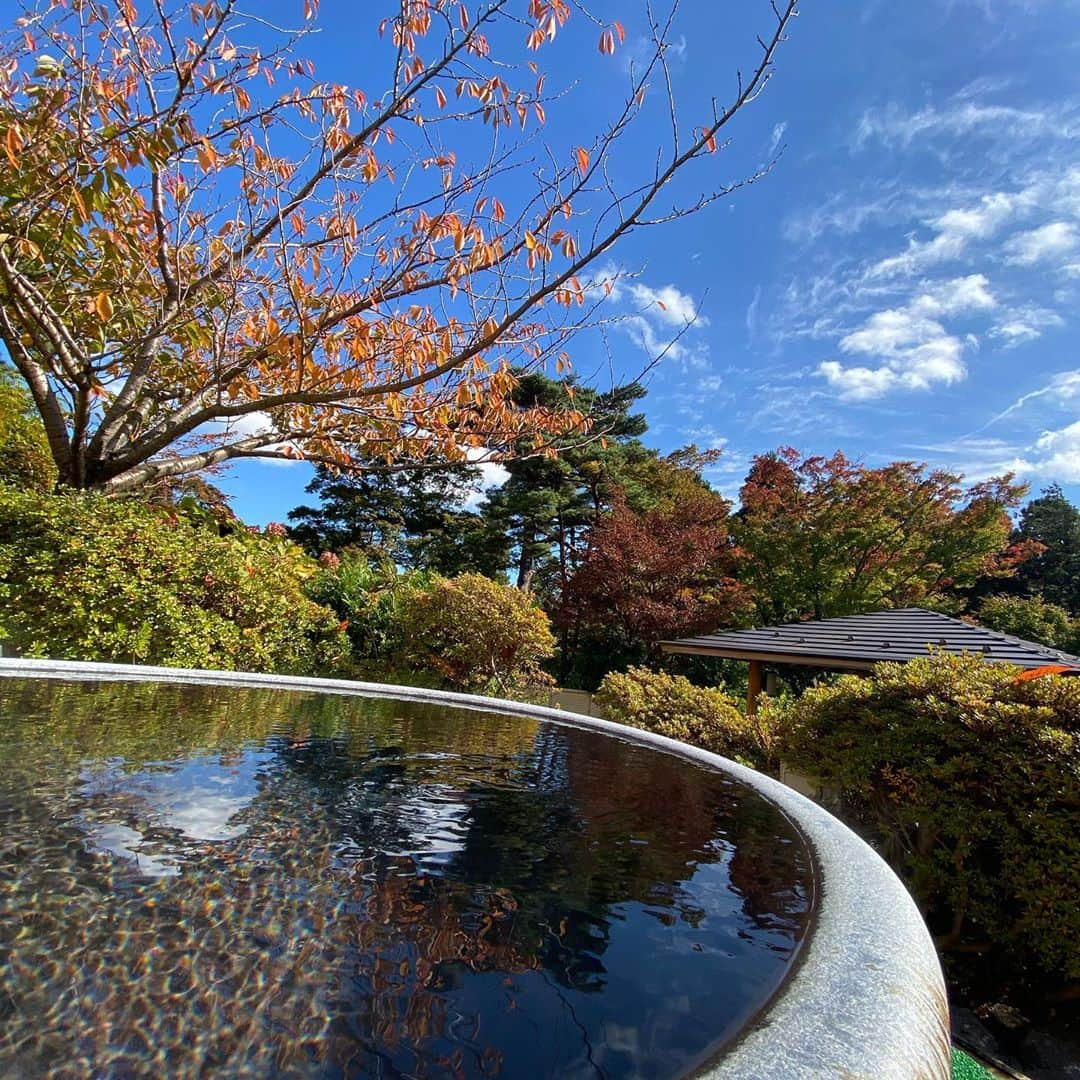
point(825, 536)
point(657, 574)
point(207, 253)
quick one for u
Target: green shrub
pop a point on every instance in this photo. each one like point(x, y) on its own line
point(25, 460)
point(1031, 618)
point(84, 577)
point(671, 705)
point(968, 780)
point(368, 596)
point(475, 633)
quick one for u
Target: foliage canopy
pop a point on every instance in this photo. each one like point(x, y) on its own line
point(826, 536)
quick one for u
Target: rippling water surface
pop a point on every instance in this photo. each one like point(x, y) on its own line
point(222, 882)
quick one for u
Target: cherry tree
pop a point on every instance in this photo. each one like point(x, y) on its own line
point(208, 253)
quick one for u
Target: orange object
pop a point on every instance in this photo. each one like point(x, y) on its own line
point(1047, 669)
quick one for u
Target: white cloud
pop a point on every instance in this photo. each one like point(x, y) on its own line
point(1016, 332)
point(492, 475)
point(254, 423)
point(859, 383)
point(751, 313)
point(955, 297)
point(1064, 386)
point(657, 344)
point(777, 136)
point(1046, 242)
point(915, 349)
point(982, 219)
point(887, 333)
point(667, 303)
point(919, 256)
point(956, 229)
point(1025, 324)
point(662, 318)
point(1058, 454)
point(1054, 455)
point(960, 115)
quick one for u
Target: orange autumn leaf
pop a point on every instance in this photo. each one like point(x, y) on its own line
point(207, 155)
point(103, 306)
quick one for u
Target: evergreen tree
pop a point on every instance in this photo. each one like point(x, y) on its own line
point(417, 518)
point(547, 504)
point(1052, 521)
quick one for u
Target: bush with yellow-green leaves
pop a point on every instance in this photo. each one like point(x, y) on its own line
point(966, 776)
point(474, 633)
point(671, 705)
point(85, 577)
point(25, 460)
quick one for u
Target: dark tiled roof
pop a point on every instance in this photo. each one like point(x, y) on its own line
point(858, 641)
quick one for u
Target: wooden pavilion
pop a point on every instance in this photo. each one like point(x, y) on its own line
point(858, 642)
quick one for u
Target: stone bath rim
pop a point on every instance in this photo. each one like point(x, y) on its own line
point(866, 997)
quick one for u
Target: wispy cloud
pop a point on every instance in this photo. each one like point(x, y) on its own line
point(1053, 457)
point(972, 269)
point(961, 115)
point(662, 320)
point(1057, 455)
point(1046, 243)
point(914, 350)
point(1063, 387)
point(1024, 324)
point(752, 314)
point(777, 136)
point(954, 232)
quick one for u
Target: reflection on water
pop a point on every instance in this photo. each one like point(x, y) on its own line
point(201, 881)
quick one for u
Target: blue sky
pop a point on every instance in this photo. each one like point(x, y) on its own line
point(904, 283)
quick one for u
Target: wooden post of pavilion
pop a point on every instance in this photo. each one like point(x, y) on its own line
point(754, 687)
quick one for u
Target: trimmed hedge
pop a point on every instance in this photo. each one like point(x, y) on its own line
point(967, 778)
point(671, 705)
point(84, 577)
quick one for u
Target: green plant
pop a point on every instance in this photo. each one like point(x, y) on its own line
point(671, 705)
point(1029, 617)
point(967, 777)
point(475, 633)
point(367, 595)
point(91, 578)
point(25, 458)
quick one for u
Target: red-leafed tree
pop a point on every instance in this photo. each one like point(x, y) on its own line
point(825, 536)
point(208, 253)
point(655, 575)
